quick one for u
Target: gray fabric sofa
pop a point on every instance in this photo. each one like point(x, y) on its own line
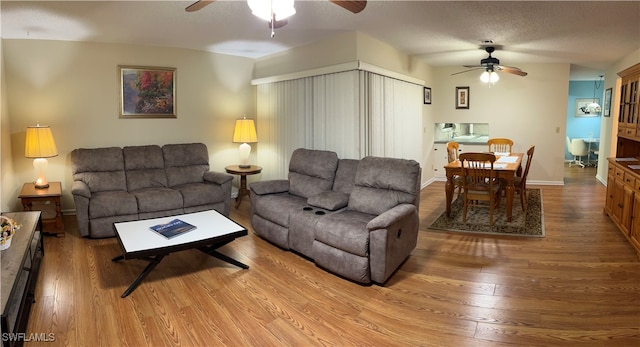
point(116, 184)
point(355, 218)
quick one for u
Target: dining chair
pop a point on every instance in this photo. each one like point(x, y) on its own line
point(452, 155)
point(479, 182)
point(520, 183)
point(578, 150)
point(500, 144)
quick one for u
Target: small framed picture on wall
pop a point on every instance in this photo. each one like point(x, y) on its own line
point(462, 97)
point(427, 96)
point(606, 108)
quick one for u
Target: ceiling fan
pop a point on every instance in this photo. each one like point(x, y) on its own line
point(349, 5)
point(491, 65)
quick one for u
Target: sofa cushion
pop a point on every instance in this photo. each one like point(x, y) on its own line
point(329, 200)
point(382, 183)
point(102, 169)
point(346, 230)
point(311, 172)
point(346, 175)
point(276, 207)
point(144, 167)
point(112, 203)
point(185, 163)
point(157, 199)
point(198, 194)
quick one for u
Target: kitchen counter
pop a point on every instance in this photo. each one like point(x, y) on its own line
point(467, 139)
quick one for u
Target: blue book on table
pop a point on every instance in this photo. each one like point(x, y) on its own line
point(173, 228)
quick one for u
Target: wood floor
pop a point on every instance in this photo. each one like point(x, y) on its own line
point(578, 286)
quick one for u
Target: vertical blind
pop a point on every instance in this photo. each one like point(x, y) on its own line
point(353, 113)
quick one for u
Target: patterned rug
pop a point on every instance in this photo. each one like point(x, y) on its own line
point(529, 224)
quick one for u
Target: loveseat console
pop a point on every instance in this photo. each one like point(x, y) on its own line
point(355, 218)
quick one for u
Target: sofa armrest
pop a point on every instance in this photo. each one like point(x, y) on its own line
point(81, 189)
point(270, 187)
point(389, 217)
point(217, 177)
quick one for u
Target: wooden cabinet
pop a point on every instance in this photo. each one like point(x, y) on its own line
point(622, 202)
point(629, 113)
point(623, 198)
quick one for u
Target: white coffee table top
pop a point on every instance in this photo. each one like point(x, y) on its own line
point(137, 236)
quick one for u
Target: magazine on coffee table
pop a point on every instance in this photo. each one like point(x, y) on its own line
point(173, 228)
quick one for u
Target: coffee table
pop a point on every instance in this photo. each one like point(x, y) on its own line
point(138, 241)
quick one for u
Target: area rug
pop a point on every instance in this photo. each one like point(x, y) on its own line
point(528, 224)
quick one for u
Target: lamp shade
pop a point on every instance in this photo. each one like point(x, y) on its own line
point(245, 131)
point(39, 143)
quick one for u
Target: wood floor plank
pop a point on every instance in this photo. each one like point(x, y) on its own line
point(578, 286)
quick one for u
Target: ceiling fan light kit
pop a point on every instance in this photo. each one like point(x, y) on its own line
point(273, 9)
point(491, 66)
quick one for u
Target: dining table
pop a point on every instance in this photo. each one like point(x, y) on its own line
point(506, 167)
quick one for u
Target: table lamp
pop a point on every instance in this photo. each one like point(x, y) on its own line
point(40, 145)
point(244, 133)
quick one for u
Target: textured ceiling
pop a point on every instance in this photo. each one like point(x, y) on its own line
point(590, 35)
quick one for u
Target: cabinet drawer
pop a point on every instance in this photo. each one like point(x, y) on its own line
point(630, 131)
point(619, 173)
point(629, 180)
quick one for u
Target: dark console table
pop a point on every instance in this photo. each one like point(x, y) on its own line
point(20, 266)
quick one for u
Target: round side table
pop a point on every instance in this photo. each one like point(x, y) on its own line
point(242, 172)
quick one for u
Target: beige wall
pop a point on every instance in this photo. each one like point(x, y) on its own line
point(530, 110)
point(6, 165)
point(73, 87)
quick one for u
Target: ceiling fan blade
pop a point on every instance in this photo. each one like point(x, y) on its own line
point(198, 5)
point(512, 70)
point(352, 6)
point(474, 68)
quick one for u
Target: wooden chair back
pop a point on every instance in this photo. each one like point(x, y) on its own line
point(500, 144)
point(479, 182)
point(452, 151)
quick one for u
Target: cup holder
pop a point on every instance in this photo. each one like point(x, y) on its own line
point(307, 208)
point(320, 213)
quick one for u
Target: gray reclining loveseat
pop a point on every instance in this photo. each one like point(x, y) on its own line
point(355, 218)
point(122, 184)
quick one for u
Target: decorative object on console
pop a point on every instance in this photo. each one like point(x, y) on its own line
point(8, 227)
point(39, 145)
point(244, 133)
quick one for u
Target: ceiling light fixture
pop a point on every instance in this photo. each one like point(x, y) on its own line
point(593, 107)
point(272, 10)
point(489, 76)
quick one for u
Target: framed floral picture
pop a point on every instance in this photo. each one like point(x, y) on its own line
point(147, 92)
point(462, 97)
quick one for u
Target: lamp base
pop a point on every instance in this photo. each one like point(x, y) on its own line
point(41, 186)
point(243, 166)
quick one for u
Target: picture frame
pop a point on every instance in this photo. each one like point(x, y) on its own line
point(462, 97)
point(427, 96)
point(606, 107)
point(580, 103)
point(147, 92)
